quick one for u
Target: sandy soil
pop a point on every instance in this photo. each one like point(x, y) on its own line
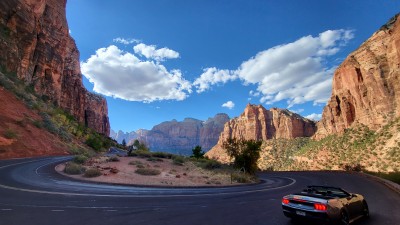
point(187, 174)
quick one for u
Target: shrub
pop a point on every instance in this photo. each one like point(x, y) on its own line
point(113, 159)
point(94, 142)
point(163, 155)
point(135, 163)
point(80, 159)
point(178, 160)
point(73, 168)
point(141, 153)
point(147, 171)
point(208, 164)
point(242, 178)
point(152, 159)
point(10, 134)
point(92, 172)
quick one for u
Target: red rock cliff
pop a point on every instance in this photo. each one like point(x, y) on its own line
point(366, 86)
point(258, 123)
point(35, 43)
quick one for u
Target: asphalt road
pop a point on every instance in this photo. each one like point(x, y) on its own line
point(31, 192)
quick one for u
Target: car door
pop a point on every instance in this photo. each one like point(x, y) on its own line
point(353, 206)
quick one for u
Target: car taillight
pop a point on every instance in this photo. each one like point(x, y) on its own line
point(285, 201)
point(319, 206)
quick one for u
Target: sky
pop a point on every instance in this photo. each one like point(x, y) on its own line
point(159, 60)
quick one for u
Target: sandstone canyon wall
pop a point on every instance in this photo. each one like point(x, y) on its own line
point(258, 123)
point(366, 86)
point(35, 43)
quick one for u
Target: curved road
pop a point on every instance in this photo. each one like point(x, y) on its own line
point(31, 192)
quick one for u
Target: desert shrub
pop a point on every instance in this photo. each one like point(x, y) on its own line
point(94, 142)
point(73, 168)
point(208, 164)
point(240, 177)
point(113, 159)
point(92, 172)
point(141, 153)
point(355, 168)
point(178, 160)
point(80, 159)
point(135, 163)
point(10, 134)
point(163, 155)
point(148, 171)
point(152, 159)
point(37, 123)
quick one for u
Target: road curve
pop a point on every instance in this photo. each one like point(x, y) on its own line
point(31, 192)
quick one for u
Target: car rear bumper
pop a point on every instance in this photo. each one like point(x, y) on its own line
point(303, 214)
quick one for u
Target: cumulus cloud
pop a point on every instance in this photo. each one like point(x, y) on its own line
point(314, 116)
point(126, 41)
point(229, 105)
point(295, 72)
point(151, 52)
point(213, 76)
point(123, 75)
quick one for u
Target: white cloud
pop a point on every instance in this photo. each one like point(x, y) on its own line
point(122, 75)
point(126, 41)
point(151, 52)
point(213, 76)
point(295, 72)
point(314, 116)
point(229, 105)
point(297, 110)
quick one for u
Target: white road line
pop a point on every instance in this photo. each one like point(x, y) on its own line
point(6, 209)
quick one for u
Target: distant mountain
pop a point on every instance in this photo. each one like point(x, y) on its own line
point(178, 136)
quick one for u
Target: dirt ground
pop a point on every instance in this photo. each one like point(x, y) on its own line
point(123, 172)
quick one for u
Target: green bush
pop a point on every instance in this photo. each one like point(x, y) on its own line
point(148, 171)
point(135, 163)
point(113, 159)
point(94, 142)
point(242, 178)
point(92, 172)
point(163, 155)
point(73, 168)
point(10, 134)
point(178, 160)
point(80, 159)
point(141, 153)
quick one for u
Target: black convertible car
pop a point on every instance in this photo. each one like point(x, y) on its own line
point(325, 204)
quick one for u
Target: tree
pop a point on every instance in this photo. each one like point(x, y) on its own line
point(245, 153)
point(123, 142)
point(197, 152)
point(140, 145)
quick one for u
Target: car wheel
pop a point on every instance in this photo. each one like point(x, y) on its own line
point(365, 209)
point(344, 220)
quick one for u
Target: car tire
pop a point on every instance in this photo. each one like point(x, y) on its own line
point(344, 218)
point(365, 210)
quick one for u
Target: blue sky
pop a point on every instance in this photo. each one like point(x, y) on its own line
point(155, 61)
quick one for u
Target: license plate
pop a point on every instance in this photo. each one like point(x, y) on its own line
point(300, 213)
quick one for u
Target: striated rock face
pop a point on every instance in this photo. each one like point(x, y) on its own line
point(366, 86)
point(35, 43)
point(120, 136)
point(181, 137)
point(258, 123)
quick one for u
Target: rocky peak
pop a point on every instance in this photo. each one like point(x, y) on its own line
point(366, 86)
point(36, 44)
point(258, 123)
